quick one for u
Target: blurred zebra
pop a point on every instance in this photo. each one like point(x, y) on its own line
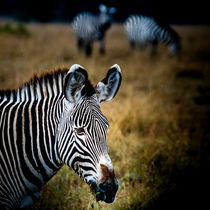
point(52, 121)
point(89, 28)
point(145, 30)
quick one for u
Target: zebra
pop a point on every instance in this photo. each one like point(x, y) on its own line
point(146, 30)
point(88, 28)
point(51, 121)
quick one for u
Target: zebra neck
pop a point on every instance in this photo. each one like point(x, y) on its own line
point(33, 112)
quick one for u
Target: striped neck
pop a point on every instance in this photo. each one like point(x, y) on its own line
point(37, 107)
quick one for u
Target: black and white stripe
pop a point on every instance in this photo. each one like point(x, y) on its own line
point(46, 123)
point(146, 30)
point(89, 28)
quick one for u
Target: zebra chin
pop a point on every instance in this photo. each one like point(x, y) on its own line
point(104, 191)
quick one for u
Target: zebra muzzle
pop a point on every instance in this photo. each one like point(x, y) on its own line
point(106, 189)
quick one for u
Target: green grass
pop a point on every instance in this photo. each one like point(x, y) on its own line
point(159, 126)
point(18, 29)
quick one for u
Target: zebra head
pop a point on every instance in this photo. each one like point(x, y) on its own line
point(105, 16)
point(82, 130)
point(174, 44)
point(174, 47)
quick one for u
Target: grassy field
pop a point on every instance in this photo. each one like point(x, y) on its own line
point(159, 127)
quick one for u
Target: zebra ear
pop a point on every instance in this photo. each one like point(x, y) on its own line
point(74, 83)
point(108, 87)
point(102, 8)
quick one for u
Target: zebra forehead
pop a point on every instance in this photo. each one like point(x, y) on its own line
point(89, 107)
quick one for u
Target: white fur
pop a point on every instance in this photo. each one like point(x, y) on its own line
point(74, 67)
point(117, 67)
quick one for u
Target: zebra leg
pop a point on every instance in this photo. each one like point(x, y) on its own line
point(102, 46)
point(132, 44)
point(88, 49)
point(154, 47)
point(80, 44)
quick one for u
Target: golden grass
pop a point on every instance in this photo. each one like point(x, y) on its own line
point(157, 120)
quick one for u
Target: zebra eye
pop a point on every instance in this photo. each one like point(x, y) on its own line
point(80, 131)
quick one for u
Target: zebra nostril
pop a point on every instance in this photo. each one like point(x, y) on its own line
point(101, 186)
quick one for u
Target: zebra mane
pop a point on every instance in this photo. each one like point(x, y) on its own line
point(40, 86)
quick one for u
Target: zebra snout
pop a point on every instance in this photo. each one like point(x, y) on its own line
point(107, 185)
point(106, 191)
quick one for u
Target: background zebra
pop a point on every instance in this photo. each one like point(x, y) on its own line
point(146, 30)
point(89, 28)
point(51, 121)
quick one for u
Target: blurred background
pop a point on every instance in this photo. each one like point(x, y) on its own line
point(159, 121)
point(174, 11)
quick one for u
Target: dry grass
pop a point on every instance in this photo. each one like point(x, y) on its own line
point(158, 120)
